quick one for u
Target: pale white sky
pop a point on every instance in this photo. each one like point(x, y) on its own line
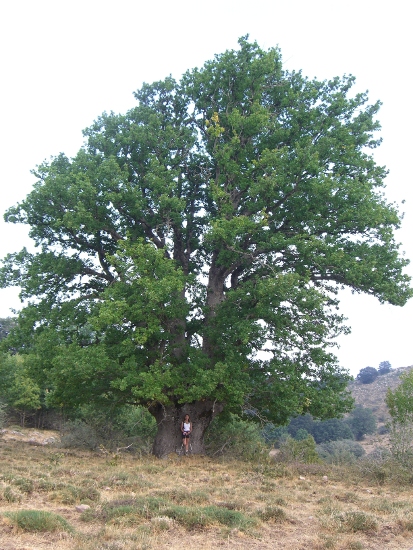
point(63, 63)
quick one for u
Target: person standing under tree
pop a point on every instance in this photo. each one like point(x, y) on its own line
point(186, 429)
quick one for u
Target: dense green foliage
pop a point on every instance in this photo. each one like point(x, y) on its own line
point(384, 367)
point(234, 437)
point(362, 422)
point(303, 450)
point(215, 220)
point(400, 400)
point(344, 451)
point(127, 427)
point(18, 388)
point(367, 375)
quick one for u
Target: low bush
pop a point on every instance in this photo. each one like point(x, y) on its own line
point(38, 520)
point(274, 513)
point(92, 427)
point(357, 521)
point(234, 437)
point(345, 451)
point(298, 451)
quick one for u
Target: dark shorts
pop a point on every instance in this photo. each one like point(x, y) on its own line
point(186, 435)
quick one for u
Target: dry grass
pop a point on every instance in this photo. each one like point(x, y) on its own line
point(197, 502)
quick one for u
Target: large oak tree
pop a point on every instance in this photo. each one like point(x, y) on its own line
point(189, 256)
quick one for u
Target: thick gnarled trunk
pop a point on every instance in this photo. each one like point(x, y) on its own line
point(169, 418)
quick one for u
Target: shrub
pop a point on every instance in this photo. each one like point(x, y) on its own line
point(332, 429)
point(345, 451)
point(400, 401)
point(79, 434)
point(302, 422)
point(234, 437)
point(401, 441)
point(362, 422)
point(367, 375)
point(357, 521)
point(384, 367)
point(35, 520)
point(274, 434)
point(383, 430)
point(292, 450)
point(274, 513)
point(301, 434)
point(127, 426)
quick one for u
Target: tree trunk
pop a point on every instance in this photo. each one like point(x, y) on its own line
point(169, 437)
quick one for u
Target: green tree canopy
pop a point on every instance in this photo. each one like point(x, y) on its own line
point(189, 256)
point(367, 375)
point(400, 400)
point(362, 422)
point(384, 367)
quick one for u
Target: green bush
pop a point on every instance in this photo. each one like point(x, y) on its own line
point(332, 429)
point(298, 451)
point(79, 434)
point(274, 513)
point(234, 437)
point(345, 451)
point(273, 435)
point(354, 522)
point(92, 427)
point(300, 427)
point(41, 521)
point(362, 422)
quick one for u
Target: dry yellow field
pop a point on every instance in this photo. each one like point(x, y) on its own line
point(191, 502)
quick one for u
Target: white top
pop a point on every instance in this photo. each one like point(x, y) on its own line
point(187, 426)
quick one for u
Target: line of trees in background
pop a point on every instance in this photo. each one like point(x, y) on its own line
point(359, 423)
point(369, 374)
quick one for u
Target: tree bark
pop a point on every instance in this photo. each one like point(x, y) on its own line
point(169, 418)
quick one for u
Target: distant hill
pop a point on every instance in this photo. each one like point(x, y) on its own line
point(373, 395)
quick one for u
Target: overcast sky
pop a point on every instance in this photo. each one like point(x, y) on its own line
point(64, 63)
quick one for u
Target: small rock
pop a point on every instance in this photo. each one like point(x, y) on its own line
point(325, 478)
point(302, 478)
point(106, 488)
point(82, 507)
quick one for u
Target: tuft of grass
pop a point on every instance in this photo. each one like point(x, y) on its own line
point(139, 507)
point(39, 521)
point(24, 485)
point(357, 521)
point(11, 496)
point(274, 513)
point(199, 517)
point(69, 494)
point(406, 523)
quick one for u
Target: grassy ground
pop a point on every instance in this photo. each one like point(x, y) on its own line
point(193, 502)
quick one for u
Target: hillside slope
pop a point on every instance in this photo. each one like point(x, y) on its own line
point(373, 395)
